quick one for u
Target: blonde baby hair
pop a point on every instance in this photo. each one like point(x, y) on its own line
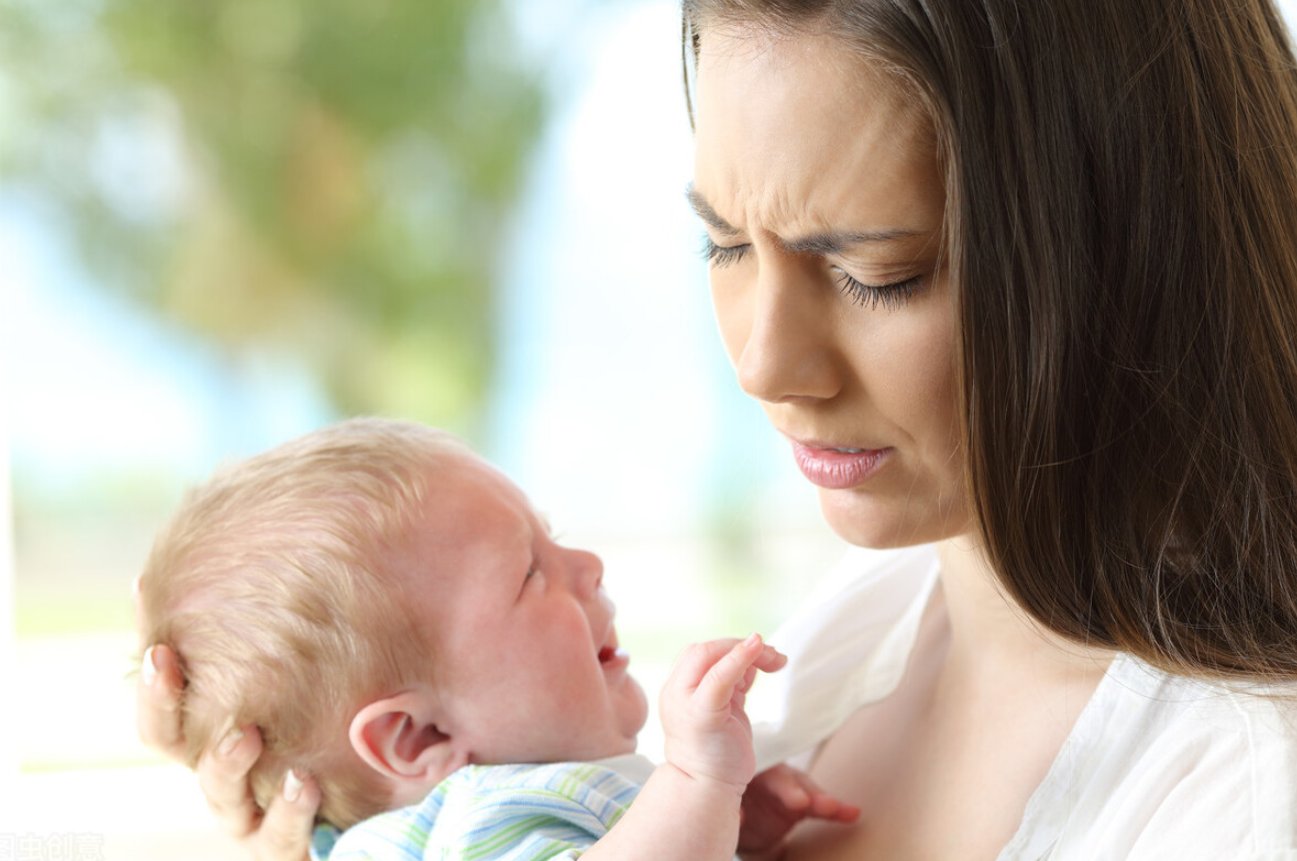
point(270, 583)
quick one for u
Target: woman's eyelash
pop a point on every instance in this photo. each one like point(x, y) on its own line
point(721, 255)
point(888, 296)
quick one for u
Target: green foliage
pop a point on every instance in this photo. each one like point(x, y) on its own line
point(343, 173)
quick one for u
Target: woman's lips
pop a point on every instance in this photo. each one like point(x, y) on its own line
point(838, 469)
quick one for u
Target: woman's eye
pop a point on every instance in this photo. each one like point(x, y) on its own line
point(889, 296)
point(722, 255)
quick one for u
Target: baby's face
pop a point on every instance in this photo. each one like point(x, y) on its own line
point(527, 665)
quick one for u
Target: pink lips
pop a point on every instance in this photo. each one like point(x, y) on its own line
point(837, 470)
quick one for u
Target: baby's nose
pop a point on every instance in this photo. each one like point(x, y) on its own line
point(587, 570)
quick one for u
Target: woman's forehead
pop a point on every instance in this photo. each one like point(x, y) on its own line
point(800, 134)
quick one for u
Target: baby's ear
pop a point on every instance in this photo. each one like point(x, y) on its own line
point(398, 737)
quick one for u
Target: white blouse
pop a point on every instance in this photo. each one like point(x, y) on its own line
point(1156, 767)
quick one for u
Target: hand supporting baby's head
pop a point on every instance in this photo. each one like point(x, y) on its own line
point(272, 584)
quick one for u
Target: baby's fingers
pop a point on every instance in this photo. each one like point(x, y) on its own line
point(825, 806)
point(798, 794)
point(768, 660)
point(786, 785)
point(731, 673)
point(822, 805)
point(842, 812)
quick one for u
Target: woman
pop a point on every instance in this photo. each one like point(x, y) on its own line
point(1019, 283)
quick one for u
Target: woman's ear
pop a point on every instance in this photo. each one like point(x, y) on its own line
point(399, 738)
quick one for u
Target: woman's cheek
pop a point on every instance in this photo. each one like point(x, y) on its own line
point(733, 313)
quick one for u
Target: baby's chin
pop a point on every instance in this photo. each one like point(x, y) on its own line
point(639, 717)
point(618, 743)
point(631, 713)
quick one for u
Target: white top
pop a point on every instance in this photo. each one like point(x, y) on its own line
point(1156, 767)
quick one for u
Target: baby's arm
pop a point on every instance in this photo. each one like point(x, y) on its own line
point(689, 808)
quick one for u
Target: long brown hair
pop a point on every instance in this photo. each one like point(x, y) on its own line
point(1121, 229)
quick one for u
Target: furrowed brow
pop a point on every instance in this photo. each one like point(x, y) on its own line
point(836, 243)
point(707, 214)
point(816, 243)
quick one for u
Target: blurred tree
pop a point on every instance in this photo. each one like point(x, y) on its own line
point(328, 177)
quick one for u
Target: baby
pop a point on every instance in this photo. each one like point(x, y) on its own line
point(399, 622)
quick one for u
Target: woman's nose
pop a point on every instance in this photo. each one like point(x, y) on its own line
point(786, 352)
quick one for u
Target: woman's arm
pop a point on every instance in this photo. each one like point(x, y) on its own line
point(280, 833)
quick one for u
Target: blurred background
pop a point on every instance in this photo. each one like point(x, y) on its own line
point(224, 224)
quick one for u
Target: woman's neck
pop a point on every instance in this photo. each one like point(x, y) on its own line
point(990, 633)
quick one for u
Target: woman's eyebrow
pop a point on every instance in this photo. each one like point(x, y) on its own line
point(833, 242)
point(838, 241)
point(704, 211)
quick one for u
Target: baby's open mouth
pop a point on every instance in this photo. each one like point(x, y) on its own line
point(610, 654)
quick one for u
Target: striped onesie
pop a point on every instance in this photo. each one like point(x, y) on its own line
point(504, 812)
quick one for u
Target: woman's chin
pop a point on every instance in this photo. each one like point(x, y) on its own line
point(866, 520)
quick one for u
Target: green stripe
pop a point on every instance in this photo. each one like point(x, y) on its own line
point(503, 837)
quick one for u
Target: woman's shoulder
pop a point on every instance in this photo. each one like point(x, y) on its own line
point(1146, 701)
point(1220, 732)
point(1160, 762)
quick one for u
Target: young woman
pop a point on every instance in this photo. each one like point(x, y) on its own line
point(1019, 282)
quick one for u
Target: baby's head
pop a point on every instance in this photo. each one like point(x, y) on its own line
point(386, 607)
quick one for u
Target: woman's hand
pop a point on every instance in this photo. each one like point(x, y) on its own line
point(282, 832)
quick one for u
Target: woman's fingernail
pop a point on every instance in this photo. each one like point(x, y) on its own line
point(752, 639)
point(230, 742)
point(292, 785)
point(148, 669)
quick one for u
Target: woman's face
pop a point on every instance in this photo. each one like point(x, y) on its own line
point(818, 183)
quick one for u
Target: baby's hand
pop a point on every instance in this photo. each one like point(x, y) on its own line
point(707, 731)
point(777, 799)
